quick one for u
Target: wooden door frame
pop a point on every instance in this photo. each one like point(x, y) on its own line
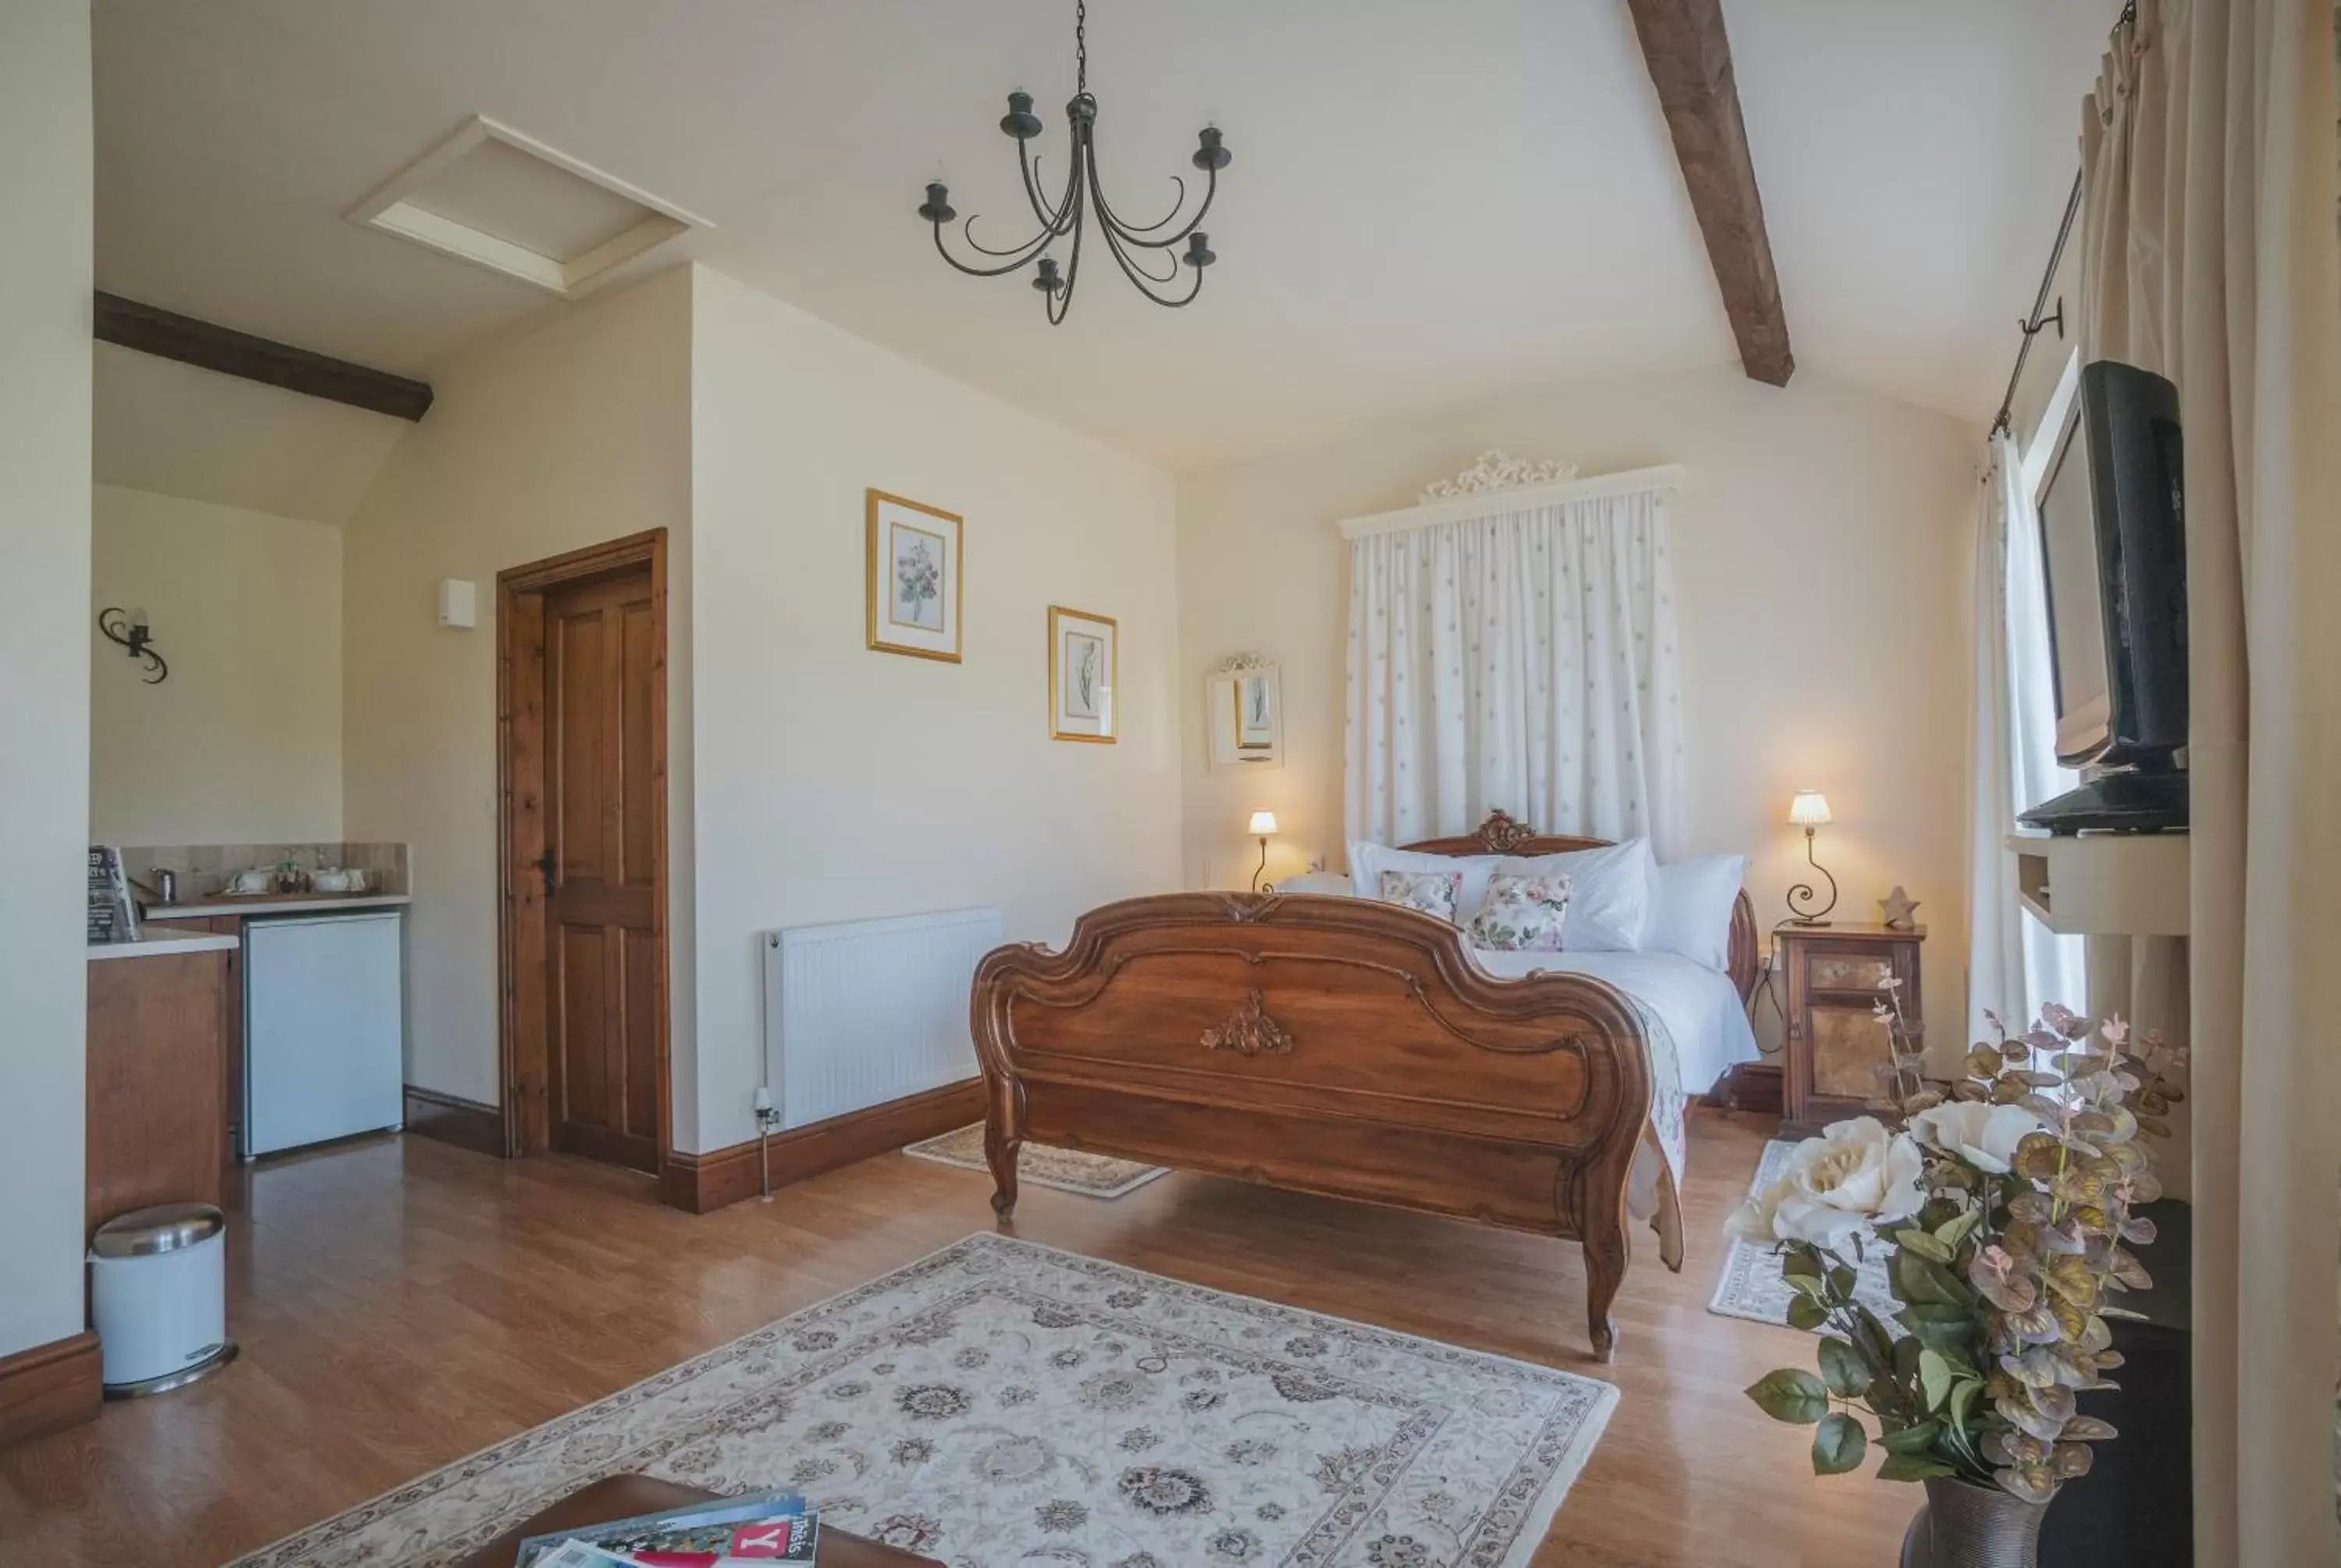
point(524, 1069)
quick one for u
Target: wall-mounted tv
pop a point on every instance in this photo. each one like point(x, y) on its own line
point(2113, 545)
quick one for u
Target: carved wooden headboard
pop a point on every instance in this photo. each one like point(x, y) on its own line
point(1499, 835)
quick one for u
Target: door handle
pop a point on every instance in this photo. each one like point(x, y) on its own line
point(549, 864)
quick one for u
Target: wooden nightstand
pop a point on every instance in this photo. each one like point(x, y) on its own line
point(1835, 976)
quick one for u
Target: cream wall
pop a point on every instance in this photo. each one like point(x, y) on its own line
point(837, 783)
point(242, 743)
point(570, 436)
point(45, 445)
point(1822, 559)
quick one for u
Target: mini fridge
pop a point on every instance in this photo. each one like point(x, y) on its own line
point(324, 1035)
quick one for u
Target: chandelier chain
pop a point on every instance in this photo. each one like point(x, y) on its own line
point(1080, 45)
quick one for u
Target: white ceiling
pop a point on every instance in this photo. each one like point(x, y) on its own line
point(1429, 206)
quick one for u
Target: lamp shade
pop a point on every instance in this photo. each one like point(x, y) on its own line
point(1263, 823)
point(1808, 809)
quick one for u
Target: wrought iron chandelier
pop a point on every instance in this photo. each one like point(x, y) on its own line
point(1137, 249)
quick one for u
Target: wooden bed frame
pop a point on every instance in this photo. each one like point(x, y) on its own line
point(1338, 1045)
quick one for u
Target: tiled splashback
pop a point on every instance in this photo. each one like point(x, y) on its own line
point(206, 869)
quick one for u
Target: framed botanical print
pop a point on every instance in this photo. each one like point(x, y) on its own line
point(1084, 663)
point(1243, 710)
point(913, 573)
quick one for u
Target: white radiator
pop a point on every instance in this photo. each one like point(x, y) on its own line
point(869, 1011)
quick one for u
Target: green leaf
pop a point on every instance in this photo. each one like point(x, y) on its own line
point(1841, 1278)
point(1807, 1287)
point(1806, 1313)
point(1912, 1467)
point(1934, 1377)
point(1945, 1336)
point(1963, 1398)
point(1916, 1280)
point(1953, 1231)
point(1799, 1262)
point(1911, 1439)
point(1925, 1245)
point(1838, 1443)
point(1843, 1369)
point(1791, 1394)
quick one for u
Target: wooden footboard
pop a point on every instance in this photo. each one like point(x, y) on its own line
point(1327, 1045)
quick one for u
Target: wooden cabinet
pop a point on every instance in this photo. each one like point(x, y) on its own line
point(1834, 977)
point(157, 1129)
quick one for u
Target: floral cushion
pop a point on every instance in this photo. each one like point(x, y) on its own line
point(1522, 915)
point(1433, 893)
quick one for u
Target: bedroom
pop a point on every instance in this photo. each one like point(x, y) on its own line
point(1447, 242)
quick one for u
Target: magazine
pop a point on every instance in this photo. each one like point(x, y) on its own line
point(761, 1527)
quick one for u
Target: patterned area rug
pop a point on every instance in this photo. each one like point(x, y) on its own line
point(1067, 1170)
point(1001, 1404)
point(1750, 1286)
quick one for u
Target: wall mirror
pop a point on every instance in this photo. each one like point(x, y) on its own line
point(1243, 713)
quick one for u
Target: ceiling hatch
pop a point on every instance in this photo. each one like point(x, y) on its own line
point(490, 195)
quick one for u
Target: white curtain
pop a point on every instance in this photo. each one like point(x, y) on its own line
point(2209, 256)
point(2014, 964)
point(1524, 661)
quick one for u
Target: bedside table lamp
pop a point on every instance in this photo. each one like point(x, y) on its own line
point(1810, 811)
point(1264, 826)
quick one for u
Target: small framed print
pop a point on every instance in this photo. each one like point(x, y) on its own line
point(1084, 664)
point(1256, 710)
point(913, 572)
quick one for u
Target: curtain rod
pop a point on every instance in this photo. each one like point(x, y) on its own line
point(2032, 323)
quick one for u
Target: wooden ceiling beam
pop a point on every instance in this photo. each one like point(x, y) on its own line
point(153, 331)
point(1690, 57)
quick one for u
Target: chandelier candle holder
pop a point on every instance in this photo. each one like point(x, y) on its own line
point(1143, 251)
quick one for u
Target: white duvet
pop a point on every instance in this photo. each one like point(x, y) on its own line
point(1700, 1007)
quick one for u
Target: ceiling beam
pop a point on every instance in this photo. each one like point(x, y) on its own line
point(153, 331)
point(1689, 58)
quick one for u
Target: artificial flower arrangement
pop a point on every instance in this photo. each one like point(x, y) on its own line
point(2005, 1211)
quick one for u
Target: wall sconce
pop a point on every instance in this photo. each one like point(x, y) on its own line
point(1263, 824)
point(1810, 811)
point(132, 632)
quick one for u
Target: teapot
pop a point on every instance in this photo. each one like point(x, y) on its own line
point(259, 880)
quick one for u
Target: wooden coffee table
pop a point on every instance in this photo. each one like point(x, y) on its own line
point(624, 1496)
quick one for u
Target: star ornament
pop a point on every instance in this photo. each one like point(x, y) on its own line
point(1902, 910)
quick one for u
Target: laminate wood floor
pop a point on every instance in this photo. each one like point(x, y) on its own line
point(402, 1303)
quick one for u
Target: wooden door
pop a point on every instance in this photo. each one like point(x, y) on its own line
point(602, 928)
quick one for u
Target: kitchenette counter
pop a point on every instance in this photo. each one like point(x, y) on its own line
point(157, 943)
point(274, 904)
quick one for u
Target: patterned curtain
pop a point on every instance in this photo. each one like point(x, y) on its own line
point(1524, 661)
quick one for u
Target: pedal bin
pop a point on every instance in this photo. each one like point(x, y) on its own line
point(158, 1292)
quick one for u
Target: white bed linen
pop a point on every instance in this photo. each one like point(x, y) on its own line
point(1699, 1009)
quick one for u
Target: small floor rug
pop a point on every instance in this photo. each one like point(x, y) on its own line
point(1750, 1286)
point(1001, 1404)
point(1067, 1170)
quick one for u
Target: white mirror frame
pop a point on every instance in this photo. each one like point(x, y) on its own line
point(1229, 684)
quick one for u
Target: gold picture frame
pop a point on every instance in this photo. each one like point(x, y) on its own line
point(923, 548)
point(1084, 674)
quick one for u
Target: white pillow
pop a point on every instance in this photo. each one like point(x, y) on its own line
point(1609, 893)
point(1368, 861)
point(1331, 883)
point(1690, 907)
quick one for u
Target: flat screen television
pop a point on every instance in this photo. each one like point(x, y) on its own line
point(2113, 548)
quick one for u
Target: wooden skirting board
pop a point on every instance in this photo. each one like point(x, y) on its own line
point(702, 1182)
point(51, 1386)
point(452, 1119)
